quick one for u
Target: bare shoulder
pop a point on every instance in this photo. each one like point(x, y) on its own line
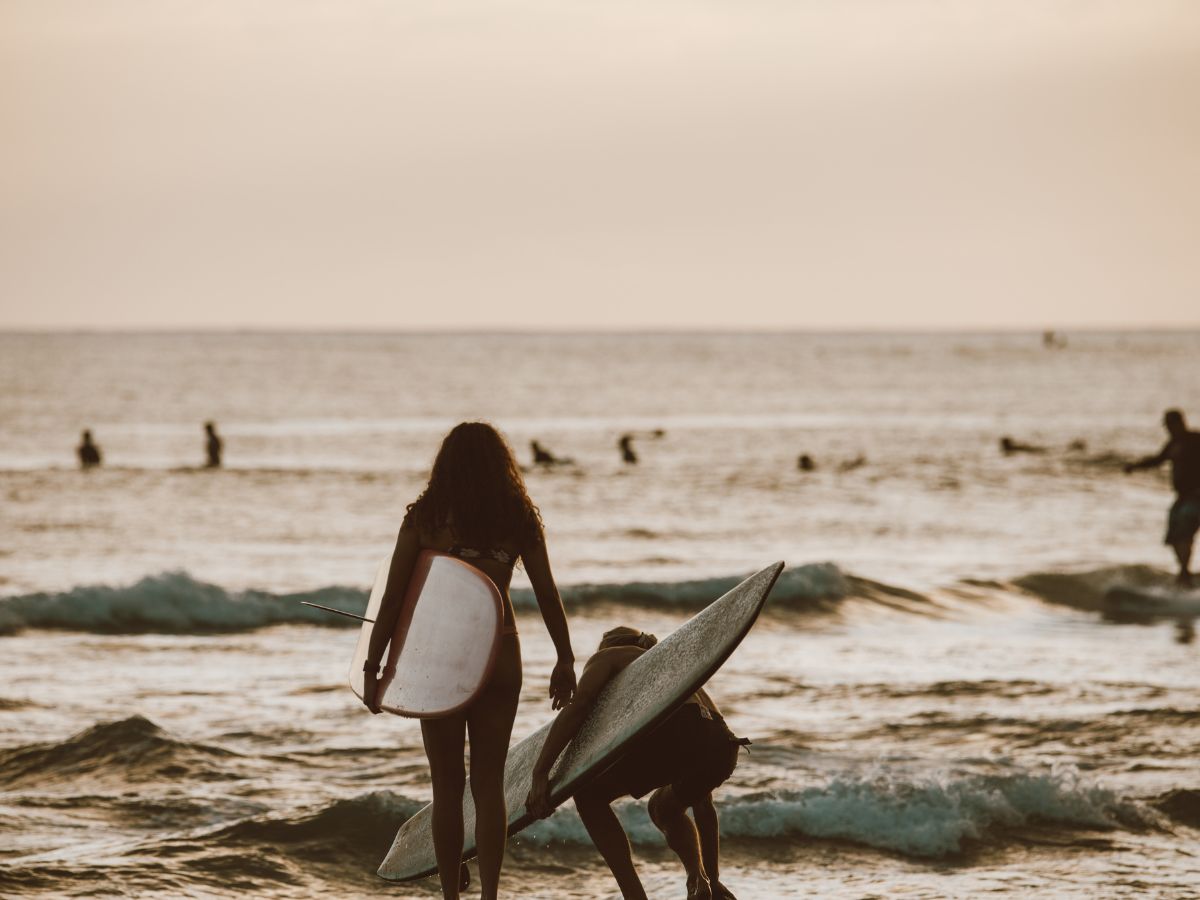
point(601, 667)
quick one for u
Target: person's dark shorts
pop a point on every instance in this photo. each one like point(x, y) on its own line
point(693, 751)
point(1183, 521)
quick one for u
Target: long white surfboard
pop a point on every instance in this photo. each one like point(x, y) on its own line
point(638, 699)
point(445, 641)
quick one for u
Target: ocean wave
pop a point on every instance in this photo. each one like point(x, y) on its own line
point(372, 817)
point(1182, 805)
point(173, 603)
point(928, 817)
point(131, 750)
point(176, 603)
point(802, 586)
point(1086, 590)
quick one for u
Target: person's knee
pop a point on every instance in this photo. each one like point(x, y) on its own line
point(487, 785)
point(589, 803)
point(663, 807)
point(448, 778)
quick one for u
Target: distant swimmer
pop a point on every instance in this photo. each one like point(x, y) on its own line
point(626, 446)
point(89, 453)
point(682, 761)
point(1009, 447)
point(850, 465)
point(213, 446)
point(805, 463)
point(543, 457)
point(1182, 450)
point(1052, 340)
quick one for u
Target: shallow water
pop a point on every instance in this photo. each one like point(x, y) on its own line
point(938, 707)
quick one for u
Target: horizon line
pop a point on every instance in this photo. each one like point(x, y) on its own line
point(487, 331)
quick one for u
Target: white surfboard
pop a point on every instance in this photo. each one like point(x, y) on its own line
point(445, 641)
point(1151, 603)
point(636, 700)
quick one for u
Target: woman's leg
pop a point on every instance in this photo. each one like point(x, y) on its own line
point(444, 740)
point(490, 721)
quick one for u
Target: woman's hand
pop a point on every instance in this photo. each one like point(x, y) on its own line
point(562, 683)
point(538, 801)
point(371, 693)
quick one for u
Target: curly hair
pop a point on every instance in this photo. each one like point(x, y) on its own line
point(476, 491)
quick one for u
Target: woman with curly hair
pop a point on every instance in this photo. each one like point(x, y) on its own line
point(475, 507)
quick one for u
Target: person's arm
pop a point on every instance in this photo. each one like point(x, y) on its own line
point(708, 701)
point(596, 674)
point(1151, 462)
point(404, 558)
point(537, 567)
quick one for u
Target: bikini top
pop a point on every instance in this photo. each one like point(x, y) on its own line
point(496, 554)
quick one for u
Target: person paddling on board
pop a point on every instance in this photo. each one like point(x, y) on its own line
point(685, 758)
point(475, 507)
point(1182, 449)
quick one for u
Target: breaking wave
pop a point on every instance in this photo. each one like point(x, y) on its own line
point(176, 603)
point(923, 817)
point(172, 603)
point(1086, 590)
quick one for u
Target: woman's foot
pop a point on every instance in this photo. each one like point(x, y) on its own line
point(720, 892)
point(699, 889)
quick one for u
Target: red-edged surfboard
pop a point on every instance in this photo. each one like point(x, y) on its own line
point(445, 641)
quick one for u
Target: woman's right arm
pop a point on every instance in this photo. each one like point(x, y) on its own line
point(404, 558)
point(537, 567)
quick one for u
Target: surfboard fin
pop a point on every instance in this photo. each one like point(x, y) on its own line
point(340, 612)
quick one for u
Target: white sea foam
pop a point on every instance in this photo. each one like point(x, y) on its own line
point(923, 817)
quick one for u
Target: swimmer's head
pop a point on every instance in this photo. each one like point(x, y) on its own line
point(624, 636)
point(1174, 422)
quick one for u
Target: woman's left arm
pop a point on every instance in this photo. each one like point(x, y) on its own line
point(537, 567)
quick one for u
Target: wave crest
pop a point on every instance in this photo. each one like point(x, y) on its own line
point(927, 817)
point(133, 750)
point(176, 603)
point(173, 603)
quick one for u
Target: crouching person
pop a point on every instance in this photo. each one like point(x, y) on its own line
point(682, 761)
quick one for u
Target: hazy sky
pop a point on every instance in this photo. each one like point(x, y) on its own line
point(609, 163)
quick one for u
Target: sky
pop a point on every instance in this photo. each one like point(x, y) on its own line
point(599, 164)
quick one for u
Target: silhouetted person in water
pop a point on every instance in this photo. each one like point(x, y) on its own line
point(805, 463)
point(89, 453)
point(626, 445)
point(851, 464)
point(1009, 447)
point(543, 457)
point(1182, 450)
point(212, 446)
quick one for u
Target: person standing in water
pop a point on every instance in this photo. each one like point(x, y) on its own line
point(475, 507)
point(213, 446)
point(625, 444)
point(89, 453)
point(683, 761)
point(1182, 450)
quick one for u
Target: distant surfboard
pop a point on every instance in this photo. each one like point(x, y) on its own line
point(636, 700)
point(1151, 603)
point(445, 641)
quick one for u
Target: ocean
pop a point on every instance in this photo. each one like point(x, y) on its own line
point(938, 706)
